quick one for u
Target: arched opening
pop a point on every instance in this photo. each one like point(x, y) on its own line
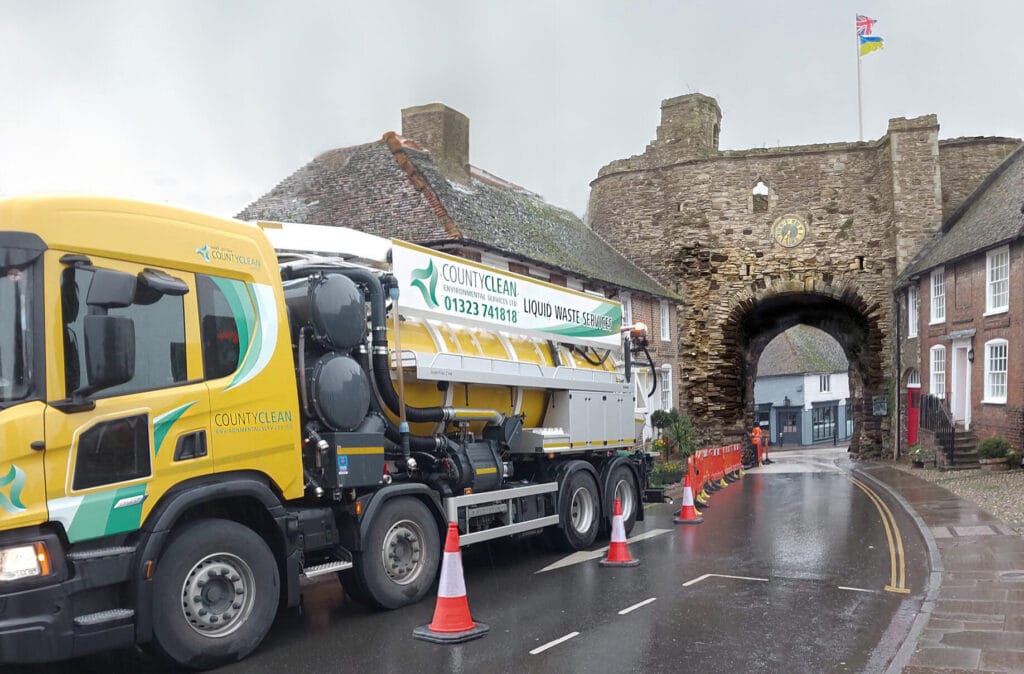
point(802, 389)
point(759, 197)
point(724, 399)
point(912, 386)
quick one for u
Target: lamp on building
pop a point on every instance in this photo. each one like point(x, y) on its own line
point(970, 355)
point(785, 401)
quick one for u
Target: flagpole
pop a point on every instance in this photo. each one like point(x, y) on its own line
point(860, 109)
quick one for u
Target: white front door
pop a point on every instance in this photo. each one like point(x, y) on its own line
point(960, 384)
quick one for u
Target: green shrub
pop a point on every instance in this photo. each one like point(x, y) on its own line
point(919, 452)
point(662, 418)
point(682, 433)
point(1013, 458)
point(668, 472)
point(993, 448)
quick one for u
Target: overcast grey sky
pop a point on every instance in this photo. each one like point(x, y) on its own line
point(208, 104)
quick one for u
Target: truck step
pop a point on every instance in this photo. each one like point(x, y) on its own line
point(83, 555)
point(324, 569)
point(104, 618)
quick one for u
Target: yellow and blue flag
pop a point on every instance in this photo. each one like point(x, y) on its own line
point(869, 44)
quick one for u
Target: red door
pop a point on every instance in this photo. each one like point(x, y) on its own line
point(913, 414)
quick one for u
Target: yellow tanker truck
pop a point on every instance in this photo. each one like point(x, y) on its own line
point(197, 413)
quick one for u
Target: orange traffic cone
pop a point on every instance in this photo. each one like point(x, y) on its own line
point(618, 553)
point(452, 622)
point(687, 513)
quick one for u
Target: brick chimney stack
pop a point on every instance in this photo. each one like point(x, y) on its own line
point(444, 132)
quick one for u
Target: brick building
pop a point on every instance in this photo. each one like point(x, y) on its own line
point(421, 187)
point(962, 299)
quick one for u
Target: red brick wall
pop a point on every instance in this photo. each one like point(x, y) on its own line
point(648, 310)
point(965, 308)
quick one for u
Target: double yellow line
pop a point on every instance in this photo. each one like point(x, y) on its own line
point(897, 561)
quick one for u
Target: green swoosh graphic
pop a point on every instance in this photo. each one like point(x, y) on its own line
point(163, 423)
point(17, 477)
point(420, 275)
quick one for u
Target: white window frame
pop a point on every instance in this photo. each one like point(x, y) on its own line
point(666, 324)
point(912, 311)
point(937, 300)
point(937, 375)
point(666, 387)
point(997, 288)
point(627, 307)
point(992, 395)
point(914, 378)
point(824, 383)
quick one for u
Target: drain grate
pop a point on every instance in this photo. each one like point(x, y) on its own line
point(1012, 575)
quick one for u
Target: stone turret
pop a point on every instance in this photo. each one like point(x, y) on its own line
point(444, 132)
point(689, 126)
point(916, 184)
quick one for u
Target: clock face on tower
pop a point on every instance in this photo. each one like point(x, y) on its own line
point(789, 231)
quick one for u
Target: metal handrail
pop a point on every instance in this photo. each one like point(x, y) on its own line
point(936, 417)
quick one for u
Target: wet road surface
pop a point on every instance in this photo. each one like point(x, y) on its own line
point(788, 572)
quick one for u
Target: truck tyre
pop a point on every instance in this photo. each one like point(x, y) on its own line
point(579, 512)
point(623, 487)
point(215, 594)
point(400, 558)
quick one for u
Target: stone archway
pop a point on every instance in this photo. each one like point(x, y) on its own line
point(842, 220)
point(838, 311)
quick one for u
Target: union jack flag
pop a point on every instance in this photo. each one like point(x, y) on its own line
point(864, 24)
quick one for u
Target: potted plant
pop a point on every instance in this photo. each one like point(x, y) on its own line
point(1013, 459)
point(992, 454)
point(921, 456)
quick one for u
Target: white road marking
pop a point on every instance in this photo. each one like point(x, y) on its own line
point(634, 607)
point(857, 589)
point(587, 555)
point(721, 575)
point(550, 644)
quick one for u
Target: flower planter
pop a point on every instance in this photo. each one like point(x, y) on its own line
point(994, 465)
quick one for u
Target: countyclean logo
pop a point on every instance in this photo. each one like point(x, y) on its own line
point(204, 252)
point(11, 502)
point(425, 280)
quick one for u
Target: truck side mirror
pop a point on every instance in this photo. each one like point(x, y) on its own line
point(109, 351)
point(111, 289)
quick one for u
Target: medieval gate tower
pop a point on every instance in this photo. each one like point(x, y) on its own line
point(760, 240)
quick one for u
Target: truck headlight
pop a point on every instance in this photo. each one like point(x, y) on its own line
point(24, 561)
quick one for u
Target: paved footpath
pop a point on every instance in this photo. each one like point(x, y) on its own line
point(973, 616)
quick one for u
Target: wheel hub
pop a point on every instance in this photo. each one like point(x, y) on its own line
point(582, 510)
point(626, 496)
point(218, 595)
point(402, 552)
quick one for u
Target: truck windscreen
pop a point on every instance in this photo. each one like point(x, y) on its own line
point(15, 322)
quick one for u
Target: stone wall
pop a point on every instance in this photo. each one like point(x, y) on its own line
point(965, 163)
point(685, 213)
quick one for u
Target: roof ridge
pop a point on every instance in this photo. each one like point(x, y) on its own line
point(618, 252)
point(398, 146)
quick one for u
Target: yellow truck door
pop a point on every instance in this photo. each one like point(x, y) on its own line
point(110, 460)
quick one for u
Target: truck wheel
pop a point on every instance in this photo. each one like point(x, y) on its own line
point(579, 512)
point(215, 594)
point(623, 487)
point(400, 557)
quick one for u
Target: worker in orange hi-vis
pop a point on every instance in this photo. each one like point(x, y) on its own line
point(755, 439)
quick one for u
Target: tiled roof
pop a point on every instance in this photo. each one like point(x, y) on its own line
point(801, 350)
point(391, 188)
point(993, 214)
